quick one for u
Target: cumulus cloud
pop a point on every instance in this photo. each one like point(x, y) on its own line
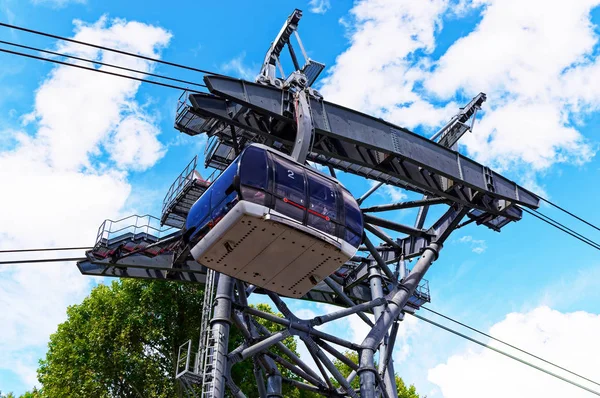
point(319, 6)
point(237, 67)
point(567, 338)
point(58, 3)
point(390, 192)
point(538, 70)
point(384, 35)
point(520, 63)
point(478, 246)
point(60, 182)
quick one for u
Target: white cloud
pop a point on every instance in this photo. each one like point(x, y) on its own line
point(319, 6)
point(239, 68)
point(62, 181)
point(570, 339)
point(58, 3)
point(478, 246)
point(383, 36)
point(390, 192)
point(133, 144)
point(538, 68)
point(519, 61)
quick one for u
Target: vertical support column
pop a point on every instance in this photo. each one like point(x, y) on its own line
point(274, 379)
point(376, 286)
point(220, 324)
point(422, 215)
point(367, 371)
point(304, 126)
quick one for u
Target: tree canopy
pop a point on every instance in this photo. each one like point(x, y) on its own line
point(123, 340)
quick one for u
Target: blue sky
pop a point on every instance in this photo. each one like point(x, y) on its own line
point(77, 148)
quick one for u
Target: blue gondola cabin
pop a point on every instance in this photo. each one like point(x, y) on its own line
point(272, 222)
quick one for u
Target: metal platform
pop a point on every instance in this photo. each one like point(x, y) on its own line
point(137, 247)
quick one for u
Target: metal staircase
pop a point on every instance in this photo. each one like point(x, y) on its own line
point(132, 235)
point(222, 138)
point(183, 193)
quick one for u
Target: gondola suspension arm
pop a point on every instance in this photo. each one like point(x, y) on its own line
point(305, 129)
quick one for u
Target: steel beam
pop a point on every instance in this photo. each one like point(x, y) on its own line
point(374, 188)
point(295, 369)
point(340, 292)
point(332, 316)
point(292, 356)
point(404, 229)
point(405, 205)
point(312, 347)
point(382, 235)
point(393, 142)
point(301, 327)
point(376, 285)
point(273, 380)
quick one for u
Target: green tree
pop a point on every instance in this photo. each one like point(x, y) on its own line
point(123, 340)
point(35, 393)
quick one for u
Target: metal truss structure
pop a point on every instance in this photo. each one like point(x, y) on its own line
point(285, 113)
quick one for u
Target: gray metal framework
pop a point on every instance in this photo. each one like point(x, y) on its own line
point(286, 114)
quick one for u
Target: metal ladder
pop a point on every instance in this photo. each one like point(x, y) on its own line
point(208, 375)
point(205, 359)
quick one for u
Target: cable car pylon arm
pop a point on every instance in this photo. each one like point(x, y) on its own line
point(358, 139)
point(305, 129)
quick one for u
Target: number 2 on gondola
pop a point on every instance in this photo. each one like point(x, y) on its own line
point(290, 174)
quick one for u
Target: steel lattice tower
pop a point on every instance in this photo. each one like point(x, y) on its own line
point(285, 113)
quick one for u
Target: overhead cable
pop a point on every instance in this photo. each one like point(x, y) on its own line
point(100, 63)
point(42, 260)
point(97, 70)
point(508, 344)
point(46, 249)
point(569, 213)
point(83, 43)
point(506, 354)
point(563, 228)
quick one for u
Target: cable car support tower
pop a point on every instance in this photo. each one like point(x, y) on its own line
point(285, 113)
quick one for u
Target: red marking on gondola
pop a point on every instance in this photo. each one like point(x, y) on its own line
point(286, 200)
point(324, 217)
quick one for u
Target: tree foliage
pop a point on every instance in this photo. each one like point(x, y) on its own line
point(123, 340)
point(35, 393)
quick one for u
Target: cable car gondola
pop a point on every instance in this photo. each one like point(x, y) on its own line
point(275, 223)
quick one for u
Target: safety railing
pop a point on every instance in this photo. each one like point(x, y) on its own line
point(218, 154)
point(184, 178)
point(211, 143)
point(182, 105)
point(134, 226)
point(183, 358)
point(422, 291)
